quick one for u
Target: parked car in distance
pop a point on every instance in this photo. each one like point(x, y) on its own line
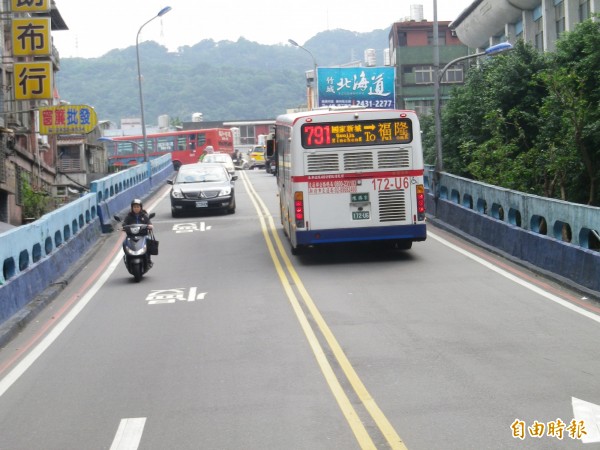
point(220, 158)
point(202, 187)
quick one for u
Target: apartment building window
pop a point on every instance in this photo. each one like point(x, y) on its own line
point(559, 14)
point(454, 74)
point(423, 107)
point(423, 74)
point(441, 38)
point(519, 29)
point(584, 10)
point(538, 28)
point(247, 134)
point(402, 39)
point(539, 36)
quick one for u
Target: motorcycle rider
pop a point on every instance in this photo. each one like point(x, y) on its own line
point(207, 151)
point(138, 215)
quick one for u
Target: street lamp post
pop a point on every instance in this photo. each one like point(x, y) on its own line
point(490, 51)
point(312, 97)
point(162, 12)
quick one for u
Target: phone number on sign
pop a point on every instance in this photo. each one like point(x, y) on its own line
point(390, 184)
point(375, 103)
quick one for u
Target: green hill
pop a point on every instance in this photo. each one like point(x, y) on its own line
point(224, 80)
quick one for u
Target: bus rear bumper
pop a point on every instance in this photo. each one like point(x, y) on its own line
point(401, 232)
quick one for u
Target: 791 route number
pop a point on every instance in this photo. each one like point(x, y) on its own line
point(390, 184)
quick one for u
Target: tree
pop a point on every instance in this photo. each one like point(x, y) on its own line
point(491, 124)
point(573, 84)
point(35, 203)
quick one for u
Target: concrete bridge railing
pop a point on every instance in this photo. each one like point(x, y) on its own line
point(35, 256)
point(558, 237)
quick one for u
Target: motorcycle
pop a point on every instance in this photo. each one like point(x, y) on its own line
point(135, 247)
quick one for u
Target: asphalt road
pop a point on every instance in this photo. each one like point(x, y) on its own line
point(231, 343)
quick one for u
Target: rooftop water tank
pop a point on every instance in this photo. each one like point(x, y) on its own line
point(163, 121)
point(416, 13)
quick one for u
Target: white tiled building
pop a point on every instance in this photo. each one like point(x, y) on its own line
point(540, 22)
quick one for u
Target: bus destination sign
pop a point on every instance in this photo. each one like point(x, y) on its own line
point(365, 132)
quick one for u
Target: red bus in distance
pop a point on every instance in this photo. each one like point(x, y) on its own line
point(185, 146)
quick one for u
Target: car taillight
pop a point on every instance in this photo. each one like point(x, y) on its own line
point(421, 202)
point(299, 209)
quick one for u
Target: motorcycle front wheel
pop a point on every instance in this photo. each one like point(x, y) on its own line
point(136, 271)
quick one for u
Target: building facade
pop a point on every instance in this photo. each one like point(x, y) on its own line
point(38, 172)
point(411, 45)
point(27, 159)
point(247, 130)
point(539, 22)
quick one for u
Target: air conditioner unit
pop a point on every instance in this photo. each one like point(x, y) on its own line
point(13, 122)
point(453, 33)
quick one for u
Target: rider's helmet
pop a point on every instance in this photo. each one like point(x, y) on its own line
point(209, 149)
point(136, 201)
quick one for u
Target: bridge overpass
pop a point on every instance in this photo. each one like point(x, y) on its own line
point(558, 239)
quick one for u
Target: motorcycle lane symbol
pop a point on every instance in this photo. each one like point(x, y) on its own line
point(166, 296)
point(190, 227)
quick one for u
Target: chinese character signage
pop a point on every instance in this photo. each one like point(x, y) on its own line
point(33, 81)
point(369, 87)
point(30, 5)
point(67, 119)
point(31, 37)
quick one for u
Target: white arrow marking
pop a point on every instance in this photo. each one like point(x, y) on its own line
point(589, 413)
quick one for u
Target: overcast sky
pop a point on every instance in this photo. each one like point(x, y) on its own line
point(96, 27)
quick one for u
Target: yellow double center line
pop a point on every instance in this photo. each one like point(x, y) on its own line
point(364, 439)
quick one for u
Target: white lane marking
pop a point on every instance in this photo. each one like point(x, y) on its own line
point(129, 434)
point(37, 351)
point(510, 276)
point(192, 295)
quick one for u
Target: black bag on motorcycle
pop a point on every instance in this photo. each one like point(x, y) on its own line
point(152, 245)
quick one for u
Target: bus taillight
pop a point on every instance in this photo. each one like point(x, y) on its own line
point(299, 209)
point(421, 202)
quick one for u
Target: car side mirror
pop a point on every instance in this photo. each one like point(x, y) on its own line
point(234, 177)
point(169, 181)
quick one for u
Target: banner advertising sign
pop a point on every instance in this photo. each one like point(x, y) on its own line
point(37, 6)
point(33, 81)
point(31, 37)
point(369, 87)
point(67, 119)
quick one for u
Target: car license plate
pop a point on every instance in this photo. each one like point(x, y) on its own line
point(202, 204)
point(360, 215)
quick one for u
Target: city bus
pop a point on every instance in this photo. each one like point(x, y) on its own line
point(350, 175)
point(185, 146)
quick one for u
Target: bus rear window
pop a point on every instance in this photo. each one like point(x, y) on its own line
point(365, 132)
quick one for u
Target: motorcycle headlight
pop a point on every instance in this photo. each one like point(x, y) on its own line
point(176, 194)
point(225, 191)
point(134, 230)
point(132, 252)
